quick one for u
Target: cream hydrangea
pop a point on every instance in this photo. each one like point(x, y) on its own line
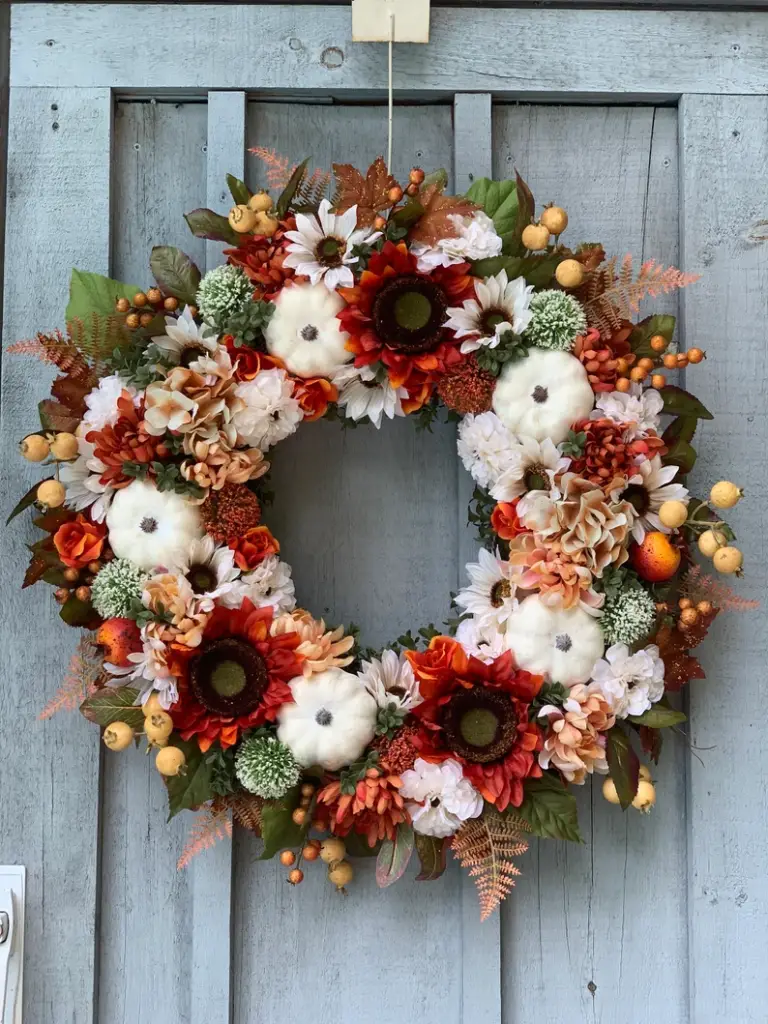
point(270, 412)
point(485, 445)
point(439, 798)
point(630, 682)
point(475, 239)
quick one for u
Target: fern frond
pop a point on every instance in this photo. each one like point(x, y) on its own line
point(82, 679)
point(56, 350)
point(98, 337)
point(312, 188)
point(486, 846)
point(246, 810)
point(613, 296)
point(211, 825)
point(699, 587)
point(279, 168)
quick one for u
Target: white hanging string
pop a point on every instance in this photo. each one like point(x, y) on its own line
point(389, 98)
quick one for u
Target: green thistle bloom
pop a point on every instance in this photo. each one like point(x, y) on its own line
point(627, 617)
point(116, 588)
point(223, 292)
point(557, 319)
point(266, 767)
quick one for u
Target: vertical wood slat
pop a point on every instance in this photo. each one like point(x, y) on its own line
point(723, 154)
point(58, 216)
point(226, 155)
point(481, 943)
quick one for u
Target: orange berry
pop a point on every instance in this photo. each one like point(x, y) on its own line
point(685, 602)
point(155, 295)
point(71, 575)
point(171, 303)
point(670, 360)
point(695, 355)
point(305, 801)
point(122, 305)
point(416, 175)
point(296, 876)
point(310, 852)
point(132, 321)
point(655, 560)
point(145, 319)
point(682, 360)
point(307, 789)
point(193, 311)
point(622, 366)
point(379, 223)
point(705, 607)
point(689, 616)
point(83, 594)
point(299, 816)
point(412, 189)
point(638, 374)
point(658, 343)
point(623, 384)
point(287, 857)
point(658, 381)
point(395, 194)
point(645, 363)
point(139, 299)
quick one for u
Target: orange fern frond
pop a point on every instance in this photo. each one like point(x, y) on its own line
point(56, 350)
point(699, 587)
point(211, 825)
point(279, 168)
point(486, 846)
point(615, 295)
point(246, 810)
point(82, 679)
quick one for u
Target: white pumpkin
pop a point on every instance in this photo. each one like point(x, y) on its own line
point(305, 333)
point(561, 643)
point(543, 395)
point(331, 722)
point(150, 527)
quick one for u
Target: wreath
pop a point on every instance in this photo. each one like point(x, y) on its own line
point(576, 628)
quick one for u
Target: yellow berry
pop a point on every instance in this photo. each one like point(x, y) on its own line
point(673, 513)
point(242, 219)
point(554, 219)
point(535, 236)
point(34, 448)
point(728, 560)
point(658, 343)
point(645, 797)
point(645, 774)
point(658, 381)
point(332, 850)
point(725, 494)
point(609, 792)
point(710, 541)
point(569, 274)
point(51, 493)
point(265, 225)
point(158, 727)
point(64, 447)
point(170, 761)
point(118, 736)
point(340, 873)
point(152, 705)
point(260, 202)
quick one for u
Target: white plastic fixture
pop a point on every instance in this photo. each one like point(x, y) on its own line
point(373, 21)
point(12, 895)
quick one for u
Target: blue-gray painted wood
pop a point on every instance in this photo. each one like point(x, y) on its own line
point(723, 154)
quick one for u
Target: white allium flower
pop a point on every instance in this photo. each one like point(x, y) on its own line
point(305, 333)
point(557, 318)
point(390, 680)
point(439, 798)
point(270, 584)
point(270, 413)
point(532, 465)
point(484, 643)
point(476, 239)
point(117, 585)
point(640, 409)
point(149, 667)
point(209, 568)
point(182, 334)
point(649, 487)
point(631, 683)
point(490, 597)
point(321, 247)
point(223, 291)
point(364, 391)
point(484, 446)
point(102, 403)
point(82, 480)
point(500, 306)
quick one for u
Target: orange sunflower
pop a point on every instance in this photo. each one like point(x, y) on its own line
point(236, 679)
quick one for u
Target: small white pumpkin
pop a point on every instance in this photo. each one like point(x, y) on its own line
point(305, 333)
point(150, 527)
point(331, 722)
point(543, 395)
point(561, 643)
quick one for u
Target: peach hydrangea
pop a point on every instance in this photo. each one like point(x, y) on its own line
point(574, 742)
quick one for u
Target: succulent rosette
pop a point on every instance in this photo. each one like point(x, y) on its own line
point(577, 624)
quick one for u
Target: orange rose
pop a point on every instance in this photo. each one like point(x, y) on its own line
point(253, 547)
point(247, 361)
point(437, 663)
point(313, 395)
point(79, 542)
point(504, 521)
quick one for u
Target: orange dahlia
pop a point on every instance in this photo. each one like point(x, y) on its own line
point(236, 679)
point(607, 455)
point(396, 315)
point(600, 354)
point(124, 441)
point(263, 259)
point(374, 809)
point(477, 713)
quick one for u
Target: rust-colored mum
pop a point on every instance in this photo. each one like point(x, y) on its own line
point(375, 809)
point(398, 754)
point(263, 259)
point(466, 387)
point(230, 512)
point(606, 455)
point(600, 354)
point(125, 441)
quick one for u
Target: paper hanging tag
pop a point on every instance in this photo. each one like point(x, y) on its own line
point(371, 21)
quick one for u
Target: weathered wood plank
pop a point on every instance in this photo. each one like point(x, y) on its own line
point(58, 180)
point(591, 914)
point(290, 48)
point(723, 153)
point(226, 155)
point(159, 173)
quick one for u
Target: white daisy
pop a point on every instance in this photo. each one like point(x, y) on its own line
point(390, 680)
point(270, 584)
point(647, 490)
point(209, 569)
point(486, 644)
point(640, 409)
point(149, 667)
point(321, 247)
point(438, 797)
point(500, 306)
point(271, 413)
point(82, 480)
point(475, 239)
point(484, 446)
point(531, 465)
point(102, 408)
point(365, 391)
point(490, 596)
point(631, 683)
point(183, 338)
point(305, 332)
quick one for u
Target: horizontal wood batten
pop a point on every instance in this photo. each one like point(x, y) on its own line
point(492, 50)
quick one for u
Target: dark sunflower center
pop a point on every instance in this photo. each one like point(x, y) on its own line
point(500, 590)
point(490, 320)
point(480, 725)
point(229, 677)
point(329, 252)
point(148, 524)
point(190, 354)
point(540, 394)
point(638, 498)
point(535, 478)
point(409, 313)
point(201, 578)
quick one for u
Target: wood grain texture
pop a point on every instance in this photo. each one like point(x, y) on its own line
point(58, 180)
point(591, 914)
point(290, 48)
point(226, 155)
point(723, 152)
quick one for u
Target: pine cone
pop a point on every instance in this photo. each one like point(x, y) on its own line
point(262, 260)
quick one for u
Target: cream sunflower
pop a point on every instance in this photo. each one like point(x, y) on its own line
point(365, 391)
point(531, 466)
point(184, 340)
point(647, 490)
point(490, 597)
point(322, 247)
point(500, 306)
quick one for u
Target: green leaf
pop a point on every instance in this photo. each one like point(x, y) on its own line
point(394, 856)
point(26, 501)
point(438, 177)
point(538, 269)
point(406, 216)
point(499, 200)
point(658, 717)
point(639, 339)
point(623, 765)
point(278, 829)
point(79, 613)
point(54, 577)
point(679, 402)
point(175, 272)
point(239, 190)
point(192, 789)
point(94, 293)
point(681, 454)
point(114, 704)
point(431, 851)
point(550, 809)
point(357, 846)
point(209, 224)
point(286, 196)
point(682, 427)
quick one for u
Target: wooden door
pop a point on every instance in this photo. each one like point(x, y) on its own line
point(657, 919)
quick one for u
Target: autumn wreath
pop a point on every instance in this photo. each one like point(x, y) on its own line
point(582, 609)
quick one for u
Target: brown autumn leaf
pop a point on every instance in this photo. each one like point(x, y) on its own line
point(674, 650)
point(370, 193)
point(435, 222)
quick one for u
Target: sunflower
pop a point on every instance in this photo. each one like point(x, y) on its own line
point(397, 315)
point(237, 678)
point(477, 713)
